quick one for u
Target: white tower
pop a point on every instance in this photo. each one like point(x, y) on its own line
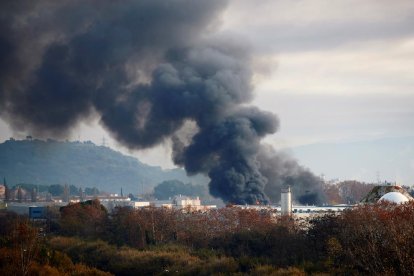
point(286, 202)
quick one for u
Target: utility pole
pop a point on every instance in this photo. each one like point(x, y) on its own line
point(6, 190)
point(19, 194)
point(81, 195)
point(34, 195)
point(65, 193)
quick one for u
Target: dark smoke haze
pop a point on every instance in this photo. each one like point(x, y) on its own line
point(281, 170)
point(148, 69)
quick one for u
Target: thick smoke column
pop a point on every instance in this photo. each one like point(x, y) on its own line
point(281, 170)
point(62, 59)
point(146, 69)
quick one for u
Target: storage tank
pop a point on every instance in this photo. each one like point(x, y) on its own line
point(286, 201)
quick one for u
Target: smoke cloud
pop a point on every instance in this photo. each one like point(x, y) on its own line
point(146, 69)
point(281, 170)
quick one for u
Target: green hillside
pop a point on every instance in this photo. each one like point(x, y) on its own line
point(82, 164)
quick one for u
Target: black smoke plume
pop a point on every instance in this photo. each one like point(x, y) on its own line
point(281, 170)
point(147, 69)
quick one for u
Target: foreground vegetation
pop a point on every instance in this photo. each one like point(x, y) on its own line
point(83, 239)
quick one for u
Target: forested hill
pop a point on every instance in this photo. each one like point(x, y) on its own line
point(82, 164)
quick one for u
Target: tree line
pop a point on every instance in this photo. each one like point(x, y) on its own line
point(368, 239)
point(53, 190)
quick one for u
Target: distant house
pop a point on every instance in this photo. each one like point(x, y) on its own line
point(193, 204)
point(184, 201)
point(110, 203)
point(2, 191)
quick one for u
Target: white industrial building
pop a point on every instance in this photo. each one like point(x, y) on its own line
point(286, 202)
point(394, 197)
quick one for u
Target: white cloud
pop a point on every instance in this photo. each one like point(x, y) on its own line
point(363, 68)
point(321, 24)
point(335, 70)
point(281, 11)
